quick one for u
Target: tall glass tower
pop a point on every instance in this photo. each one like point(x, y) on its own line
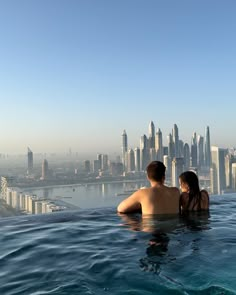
point(175, 134)
point(207, 148)
point(30, 161)
point(45, 169)
point(144, 155)
point(171, 147)
point(124, 149)
point(159, 145)
point(137, 159)
point(194, 150)
point(218, 182)
point(200, 153)
point(151, 134)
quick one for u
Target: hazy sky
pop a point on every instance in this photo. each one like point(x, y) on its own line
point(75, 73)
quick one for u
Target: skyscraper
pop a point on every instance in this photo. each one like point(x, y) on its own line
point(200, 151)
point(171, 147)
point(124, 149)
point(207, 148)
point(229, 160)
point(234, 176)
point(104, 162)
point(137, 159)
point(167, 163)
point(177, 169)
point(218, 169)
point(152, 154)
point(151, 134)
point(87, 166)
point(99, 158)
point(175, 135)
point(194, 150)
point(131, 161)
point(45, 169)
point(159, 145)
point(30, 161)
point(144, 155)
point(186, 156)
point(181, 148)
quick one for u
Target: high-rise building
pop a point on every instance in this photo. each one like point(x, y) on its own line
point(131, 161)
point(137, 159)
point(186, 156)
point(116, 168)
point(144, 155)
point(96, 166)
point(45, 170)
point(124, 149)
point(234, 176)
point(6, 182)
point(99, 158)
point(200, 151)
point(213, 181)
point(171, 147)
point(87, 166)
point(152, 154)
point(181, 148)
point(218, 170)
point(207, 148)
point(165, 151)
point(151, 134)
point(159, 145)
point(30, 161)
point(167, 163)
point(177, 169)
point(175, 135)
point(194, 150)
point(104, 162)
point(229, 160)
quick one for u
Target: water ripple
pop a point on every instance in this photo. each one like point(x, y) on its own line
point(99, 252)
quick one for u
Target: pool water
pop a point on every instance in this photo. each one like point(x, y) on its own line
point(97, 251)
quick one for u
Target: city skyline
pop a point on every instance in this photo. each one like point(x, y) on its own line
point(89, 70)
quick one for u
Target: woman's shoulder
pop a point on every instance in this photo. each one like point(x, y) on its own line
point(204, 192)
point(184, 196)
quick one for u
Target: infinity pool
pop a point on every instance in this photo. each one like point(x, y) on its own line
point(100, 252)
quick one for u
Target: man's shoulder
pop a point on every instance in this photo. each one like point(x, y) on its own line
point(174, 189)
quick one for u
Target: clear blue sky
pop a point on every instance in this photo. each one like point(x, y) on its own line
point(75, 73)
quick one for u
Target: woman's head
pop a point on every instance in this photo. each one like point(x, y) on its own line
point(189, 182)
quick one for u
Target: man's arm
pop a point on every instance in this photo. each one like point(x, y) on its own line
point(131, 204)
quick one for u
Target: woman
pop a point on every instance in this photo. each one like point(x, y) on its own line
point(192, 199)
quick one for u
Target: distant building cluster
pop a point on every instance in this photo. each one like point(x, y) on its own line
point(177, 155)
point(217, 166)
point(29, 204)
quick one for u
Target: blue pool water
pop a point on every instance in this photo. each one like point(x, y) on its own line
point(96, 251)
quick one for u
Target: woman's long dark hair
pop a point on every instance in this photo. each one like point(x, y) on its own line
point(191, 179)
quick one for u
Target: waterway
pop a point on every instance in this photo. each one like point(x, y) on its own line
point(87, 196)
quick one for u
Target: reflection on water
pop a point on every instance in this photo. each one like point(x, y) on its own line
point(161, 228)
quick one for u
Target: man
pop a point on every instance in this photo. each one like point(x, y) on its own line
point(157, 199)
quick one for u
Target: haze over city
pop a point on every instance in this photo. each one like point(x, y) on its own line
point(76, 74)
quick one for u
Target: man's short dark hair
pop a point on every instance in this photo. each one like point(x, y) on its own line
point(156, 171)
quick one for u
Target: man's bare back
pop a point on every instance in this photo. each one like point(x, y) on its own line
point(157, 199)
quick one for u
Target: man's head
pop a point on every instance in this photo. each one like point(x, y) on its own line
point(156, 171)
